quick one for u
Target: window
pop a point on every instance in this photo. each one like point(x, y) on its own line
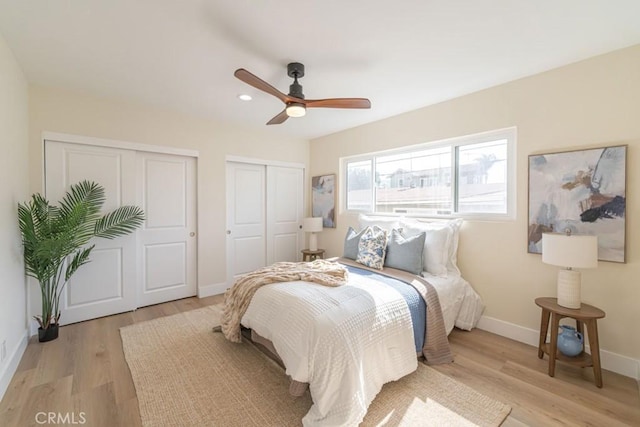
point(466, 176)
point(359, 184)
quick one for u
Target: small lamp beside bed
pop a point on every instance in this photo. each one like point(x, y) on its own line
point(569, 251)
point(312, 225)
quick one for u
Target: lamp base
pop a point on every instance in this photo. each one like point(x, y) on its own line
point(313, 242)
point(569, 288)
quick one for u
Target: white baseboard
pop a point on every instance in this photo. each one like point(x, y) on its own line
point(12, 364)
point(614, 362)
point(213, 289)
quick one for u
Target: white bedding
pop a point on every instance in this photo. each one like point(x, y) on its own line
point(308, 330)
point(461, 305)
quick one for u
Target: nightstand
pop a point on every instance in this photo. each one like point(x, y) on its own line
point(309, 255)
point(586, 315)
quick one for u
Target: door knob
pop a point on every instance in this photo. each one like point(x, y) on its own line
point(192, 234)
point(228, 231)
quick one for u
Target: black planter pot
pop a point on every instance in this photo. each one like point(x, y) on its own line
point(49, 334)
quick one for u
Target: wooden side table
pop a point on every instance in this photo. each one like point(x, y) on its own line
point(309, 255)
point(585, 315)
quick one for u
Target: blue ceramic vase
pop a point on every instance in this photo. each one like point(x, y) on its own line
point(570, 341)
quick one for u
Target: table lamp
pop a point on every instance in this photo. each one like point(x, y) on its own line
point(313, 226)
point(569, 251)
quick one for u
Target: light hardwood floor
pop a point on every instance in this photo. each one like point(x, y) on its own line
point(84, 371)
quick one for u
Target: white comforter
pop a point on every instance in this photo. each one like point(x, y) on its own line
point(461, 305)
point(308, 323)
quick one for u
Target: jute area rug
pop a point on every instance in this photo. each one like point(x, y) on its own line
point(186, 375)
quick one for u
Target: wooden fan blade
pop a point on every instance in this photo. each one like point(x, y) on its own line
point(280, 118)
point(260, 84)
point(338, 103)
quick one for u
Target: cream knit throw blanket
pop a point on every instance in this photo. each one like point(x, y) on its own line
point(238, 297)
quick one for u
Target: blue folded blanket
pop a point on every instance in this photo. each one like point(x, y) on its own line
point(417, 306)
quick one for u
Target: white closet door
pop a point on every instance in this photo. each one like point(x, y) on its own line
point(265, 207)
point(107, 284)
point(284, 213)
point(167, 240)
point(246, 223)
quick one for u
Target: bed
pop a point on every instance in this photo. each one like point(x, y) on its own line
point(361, 326)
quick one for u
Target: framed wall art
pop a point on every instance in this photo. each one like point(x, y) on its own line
point(323, 202)
point(583, 191)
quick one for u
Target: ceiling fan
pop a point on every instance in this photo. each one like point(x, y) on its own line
point(296, 105)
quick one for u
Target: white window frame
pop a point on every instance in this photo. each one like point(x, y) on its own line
point(510, 134)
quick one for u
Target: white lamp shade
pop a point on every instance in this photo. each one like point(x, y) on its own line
point(570, 251)
point(312, 225)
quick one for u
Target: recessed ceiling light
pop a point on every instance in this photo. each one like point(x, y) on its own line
point(244, 97)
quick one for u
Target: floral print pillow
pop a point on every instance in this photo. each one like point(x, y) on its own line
point(372, 247)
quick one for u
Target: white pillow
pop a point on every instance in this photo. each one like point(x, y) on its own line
point(437, 244)
point(384, 222)
point(441, 236)
point(452, 265)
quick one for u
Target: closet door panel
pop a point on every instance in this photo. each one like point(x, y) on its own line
point(246, 219)
point(284, 213)
point(167, 240)
point(107, 284)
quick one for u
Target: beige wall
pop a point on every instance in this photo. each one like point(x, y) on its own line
point(588, 104)
point(66, 112)
point(14, 125)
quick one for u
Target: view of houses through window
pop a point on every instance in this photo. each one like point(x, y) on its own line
point(462, 176)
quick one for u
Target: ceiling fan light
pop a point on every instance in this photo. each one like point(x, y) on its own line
point(296, 109)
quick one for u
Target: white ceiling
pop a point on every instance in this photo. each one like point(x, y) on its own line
point(181, 54)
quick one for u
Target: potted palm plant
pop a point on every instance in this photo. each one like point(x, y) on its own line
point(56, 241)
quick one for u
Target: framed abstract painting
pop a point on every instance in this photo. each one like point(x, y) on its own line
point(323, 202)
point(583, 191)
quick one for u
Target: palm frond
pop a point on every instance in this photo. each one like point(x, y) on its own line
point(41, 208)
point(123, 220)
point(34, 220)
point(86, 195)
point(26, 223)
point(79, 209)
point(80, 258)
point(42, 215)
